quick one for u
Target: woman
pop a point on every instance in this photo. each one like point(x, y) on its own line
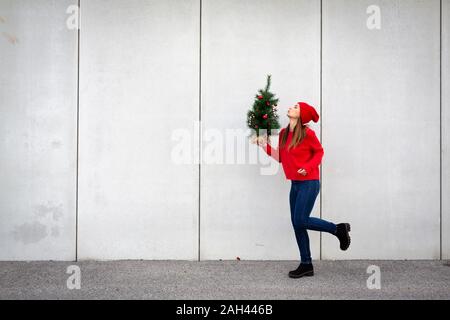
point(300, 153)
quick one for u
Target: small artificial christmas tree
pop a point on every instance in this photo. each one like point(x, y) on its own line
point(263, 114)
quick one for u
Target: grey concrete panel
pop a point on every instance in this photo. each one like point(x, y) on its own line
point(381, 128)
point(38, 108)
point(245, 205)
point(139, 68)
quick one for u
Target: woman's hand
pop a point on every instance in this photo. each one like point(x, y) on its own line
point(260, 141)
point(302, 171)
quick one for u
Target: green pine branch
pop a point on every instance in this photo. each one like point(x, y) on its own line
point(263, 114)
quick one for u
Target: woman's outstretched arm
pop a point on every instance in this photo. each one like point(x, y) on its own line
point(271, 151)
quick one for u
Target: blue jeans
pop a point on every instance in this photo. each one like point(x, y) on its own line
point(302, 196)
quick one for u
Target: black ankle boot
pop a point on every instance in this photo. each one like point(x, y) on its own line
point(342, 230)
point(303, 270)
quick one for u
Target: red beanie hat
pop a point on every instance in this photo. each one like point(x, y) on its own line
point(307, 113)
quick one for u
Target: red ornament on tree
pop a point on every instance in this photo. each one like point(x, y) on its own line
point(268, 103)
point(265, 116)
point(260, 97)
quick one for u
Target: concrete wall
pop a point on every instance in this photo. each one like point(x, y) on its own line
point(38, 82)
point(139, 66)
point(244, 213)
point(381, 100)
point(445, 129)
point(147, 76)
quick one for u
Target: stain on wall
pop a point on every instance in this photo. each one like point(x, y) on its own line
point(30, 232)
point(45, 210)
point(47, 222)
point(55, 231)
point(56, 144)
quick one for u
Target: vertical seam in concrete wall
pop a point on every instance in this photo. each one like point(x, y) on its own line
point(440, 130)
point(321, 135)
point(200, 126)
point(78, 127)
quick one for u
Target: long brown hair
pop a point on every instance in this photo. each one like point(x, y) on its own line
point(298, 135)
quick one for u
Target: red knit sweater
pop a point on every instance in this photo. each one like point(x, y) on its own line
point(307, 155)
